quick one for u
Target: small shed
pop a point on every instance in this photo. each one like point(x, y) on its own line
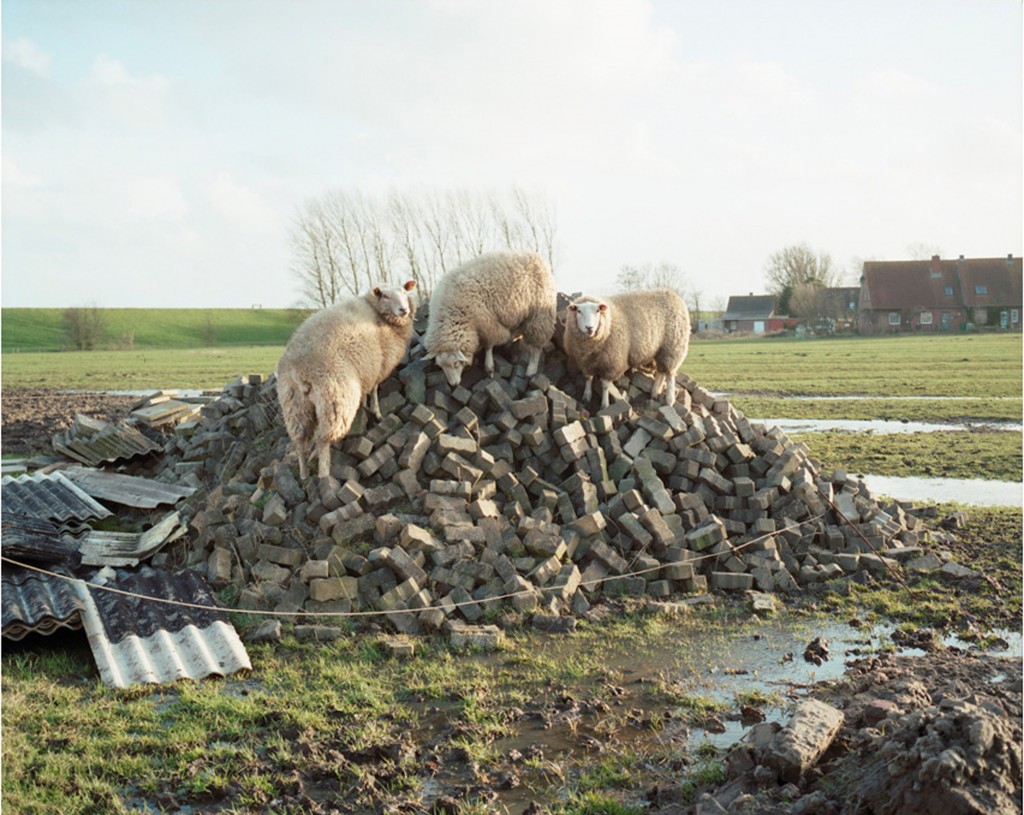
point(753, 313)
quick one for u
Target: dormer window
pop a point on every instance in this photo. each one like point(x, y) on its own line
point(949, 291)
point(981, 289)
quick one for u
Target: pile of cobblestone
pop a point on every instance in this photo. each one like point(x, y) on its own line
point(508, 493)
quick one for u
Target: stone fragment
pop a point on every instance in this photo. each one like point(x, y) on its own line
point(798, 746)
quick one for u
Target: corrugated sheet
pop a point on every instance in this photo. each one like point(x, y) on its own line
point(34, 603)
point(129, 490)
point(34, 539)
point(139, 641)
point(49, 495)
point(128, 548)
point(93, 441)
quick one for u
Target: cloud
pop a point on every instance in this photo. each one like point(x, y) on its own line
point(133, 101)
point(24, 53)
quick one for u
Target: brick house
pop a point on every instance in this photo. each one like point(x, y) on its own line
point(919, 296)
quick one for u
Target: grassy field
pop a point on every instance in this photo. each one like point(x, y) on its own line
point(342, 724)
point(43, 329)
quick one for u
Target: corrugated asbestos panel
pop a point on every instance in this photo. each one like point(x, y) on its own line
point(94, 441)
point(128, 548)
point(49, 495)
point(129, 490)
point(34, 603)
point(34, 539)
point(137, 641)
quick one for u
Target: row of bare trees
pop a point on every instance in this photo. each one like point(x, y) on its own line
point(662, 276)
point(343, 242)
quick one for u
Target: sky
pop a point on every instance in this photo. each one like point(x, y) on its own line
point(157, 152)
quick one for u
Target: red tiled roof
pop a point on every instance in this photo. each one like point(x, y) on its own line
point(992, 282)
point(910, 284)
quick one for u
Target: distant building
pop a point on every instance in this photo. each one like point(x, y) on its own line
point(940, 295)
point(754, 314)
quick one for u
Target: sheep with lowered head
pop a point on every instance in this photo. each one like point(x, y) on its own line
point(334, 360)
point(607, 337)
point(491, 300)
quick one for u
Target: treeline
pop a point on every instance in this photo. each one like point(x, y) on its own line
point(344, 242)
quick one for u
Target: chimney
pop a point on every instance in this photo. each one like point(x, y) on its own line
point(935, 257)
point(1009, 259)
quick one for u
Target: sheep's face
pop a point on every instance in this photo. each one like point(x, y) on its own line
point(589, 316)
point(452, 363)
point(395, 305)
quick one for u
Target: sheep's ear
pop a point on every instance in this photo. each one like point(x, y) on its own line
point(461, 357)
point(376, 292)
point(573, 307)
point(409, 285)
point(602, 307)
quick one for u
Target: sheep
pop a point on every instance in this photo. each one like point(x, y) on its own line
point(491, 300)
point(607, 337)
point(334, 360)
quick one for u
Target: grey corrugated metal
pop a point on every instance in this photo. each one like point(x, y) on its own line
point(128, 548)
point(34, 603)
point(92, 442)
point(129, 490)
point(49, 495)
point(138, 641)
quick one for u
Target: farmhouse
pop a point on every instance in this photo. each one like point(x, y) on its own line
point(755, 314)
point(940, 295)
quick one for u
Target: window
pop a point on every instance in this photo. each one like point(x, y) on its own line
point(981, 289)
point(926, 318)
point(949, 291)
point(894, 318)
point(1014, 316)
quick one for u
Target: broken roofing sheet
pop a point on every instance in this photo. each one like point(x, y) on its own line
point(134, 639)
point(129, 548)
point(49, 496)
point(137, 640)
point(128, 490)
point(93, 441)
point(35, 603)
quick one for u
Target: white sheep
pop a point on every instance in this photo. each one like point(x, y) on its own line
point(491, 300)
point(607, 337)
point(334, 360)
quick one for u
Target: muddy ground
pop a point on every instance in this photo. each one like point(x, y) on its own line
point(934, 733)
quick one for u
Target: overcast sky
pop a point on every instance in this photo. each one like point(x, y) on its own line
point(155, 152)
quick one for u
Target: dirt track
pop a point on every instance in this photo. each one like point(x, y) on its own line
point(32, 417)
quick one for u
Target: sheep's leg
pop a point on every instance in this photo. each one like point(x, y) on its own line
point(335, 411)
point(489, 361)
point(605, 385)
point(670, 395)
point(533, 363)
point(374, 403)
point(659, 384)
point(303, 454)
point(588, 389)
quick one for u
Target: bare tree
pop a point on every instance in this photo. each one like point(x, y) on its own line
point(345, 241)
point(794, 265)
point(663, 276)
point(923, 251)
point(85, 327)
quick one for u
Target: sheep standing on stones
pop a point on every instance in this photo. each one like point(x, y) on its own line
point(490, 301)
point(607, 337)
point(334, 360)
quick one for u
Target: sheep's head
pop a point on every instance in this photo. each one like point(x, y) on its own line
point(394, 306)
point(590, 315)
point(452, 363)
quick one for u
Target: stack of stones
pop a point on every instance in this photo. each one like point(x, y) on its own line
point(507, 494)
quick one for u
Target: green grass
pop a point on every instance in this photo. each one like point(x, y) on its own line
point(43, 329)
point(207, 368)
point(954, 454)
point(981, 365)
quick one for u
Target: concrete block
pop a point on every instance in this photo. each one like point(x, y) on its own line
point(333, 588)
point(485, 637)
point(798, 746)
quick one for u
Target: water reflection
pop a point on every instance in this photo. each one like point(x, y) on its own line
point(880, 426)
point(972, 491)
